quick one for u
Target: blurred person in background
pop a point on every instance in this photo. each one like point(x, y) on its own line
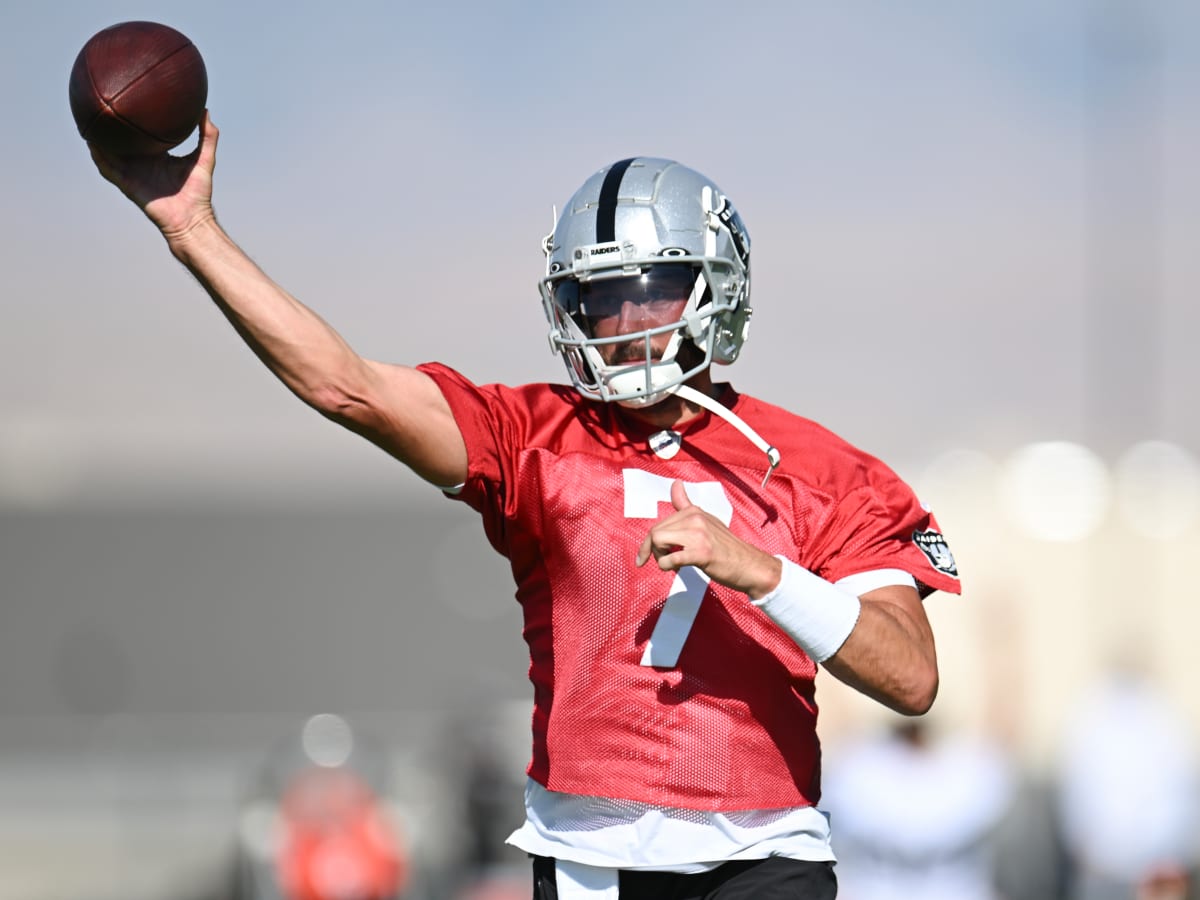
point(915, 815)
point(336, 841)
point(685, 555)
point(317, 823)
point(1129, 795)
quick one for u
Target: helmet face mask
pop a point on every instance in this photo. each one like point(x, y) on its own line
point(646, 241)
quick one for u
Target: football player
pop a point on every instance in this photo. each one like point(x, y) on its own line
point(686, 556)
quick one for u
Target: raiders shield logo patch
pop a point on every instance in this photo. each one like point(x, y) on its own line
point(934, 546)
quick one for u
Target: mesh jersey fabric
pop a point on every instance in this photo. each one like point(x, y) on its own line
point(732, 726)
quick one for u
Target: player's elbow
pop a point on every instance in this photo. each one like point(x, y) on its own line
point(908, 689)
point(343, 401)
point(919, 694)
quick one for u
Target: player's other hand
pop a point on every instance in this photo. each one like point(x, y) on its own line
point(692, 537)
point(175, 192)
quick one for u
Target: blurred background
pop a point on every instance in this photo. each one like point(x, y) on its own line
point(243, 654)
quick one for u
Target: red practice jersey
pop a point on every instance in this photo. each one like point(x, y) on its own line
point(568, 489)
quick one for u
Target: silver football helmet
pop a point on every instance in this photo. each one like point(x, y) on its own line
point(637, 230)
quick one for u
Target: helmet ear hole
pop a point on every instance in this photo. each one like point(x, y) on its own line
point(732, 329)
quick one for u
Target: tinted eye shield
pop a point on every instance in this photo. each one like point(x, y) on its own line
point(653, 292)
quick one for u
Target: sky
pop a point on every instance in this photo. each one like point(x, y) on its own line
point(973, 224)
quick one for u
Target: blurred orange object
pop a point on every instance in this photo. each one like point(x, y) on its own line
point(1165, 882)
point(338, 842)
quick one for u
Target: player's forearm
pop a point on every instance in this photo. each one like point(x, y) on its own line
point(879, 643)
point(292, 341)
point(888, 658)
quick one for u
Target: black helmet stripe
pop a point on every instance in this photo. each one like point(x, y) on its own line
point(606, 213)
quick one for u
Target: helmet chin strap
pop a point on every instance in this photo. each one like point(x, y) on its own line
point(707, 402)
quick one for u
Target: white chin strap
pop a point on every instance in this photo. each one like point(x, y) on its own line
point(707, 402)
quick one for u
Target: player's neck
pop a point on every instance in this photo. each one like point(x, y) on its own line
point(674, 411)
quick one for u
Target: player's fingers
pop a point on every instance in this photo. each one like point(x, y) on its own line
point(103, 163)
point(206, 150)
point(660, 541)
point(645, 550)
point(679, 497)
point(673, 558)
point(673, 544)
point(112, 170)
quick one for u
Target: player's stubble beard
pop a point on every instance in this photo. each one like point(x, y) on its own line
point(688, 355)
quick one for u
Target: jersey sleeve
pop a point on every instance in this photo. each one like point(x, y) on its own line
point(882, 525)
point(491, 427)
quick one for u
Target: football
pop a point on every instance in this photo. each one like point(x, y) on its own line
point(138, 88)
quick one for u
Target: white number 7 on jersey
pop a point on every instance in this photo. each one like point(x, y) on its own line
point(644, 491)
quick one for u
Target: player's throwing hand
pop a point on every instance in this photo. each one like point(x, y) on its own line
point(174, 191)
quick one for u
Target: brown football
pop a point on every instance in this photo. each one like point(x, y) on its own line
point(138, 88)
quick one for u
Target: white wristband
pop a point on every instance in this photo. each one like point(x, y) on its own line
point(817, 615)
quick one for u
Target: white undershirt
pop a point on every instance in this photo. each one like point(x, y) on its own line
point(622, 834)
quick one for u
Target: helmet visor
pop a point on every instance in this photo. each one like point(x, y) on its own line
point(656, 294)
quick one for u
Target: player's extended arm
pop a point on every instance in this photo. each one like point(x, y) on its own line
point(398, 408)
point(889, 652)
